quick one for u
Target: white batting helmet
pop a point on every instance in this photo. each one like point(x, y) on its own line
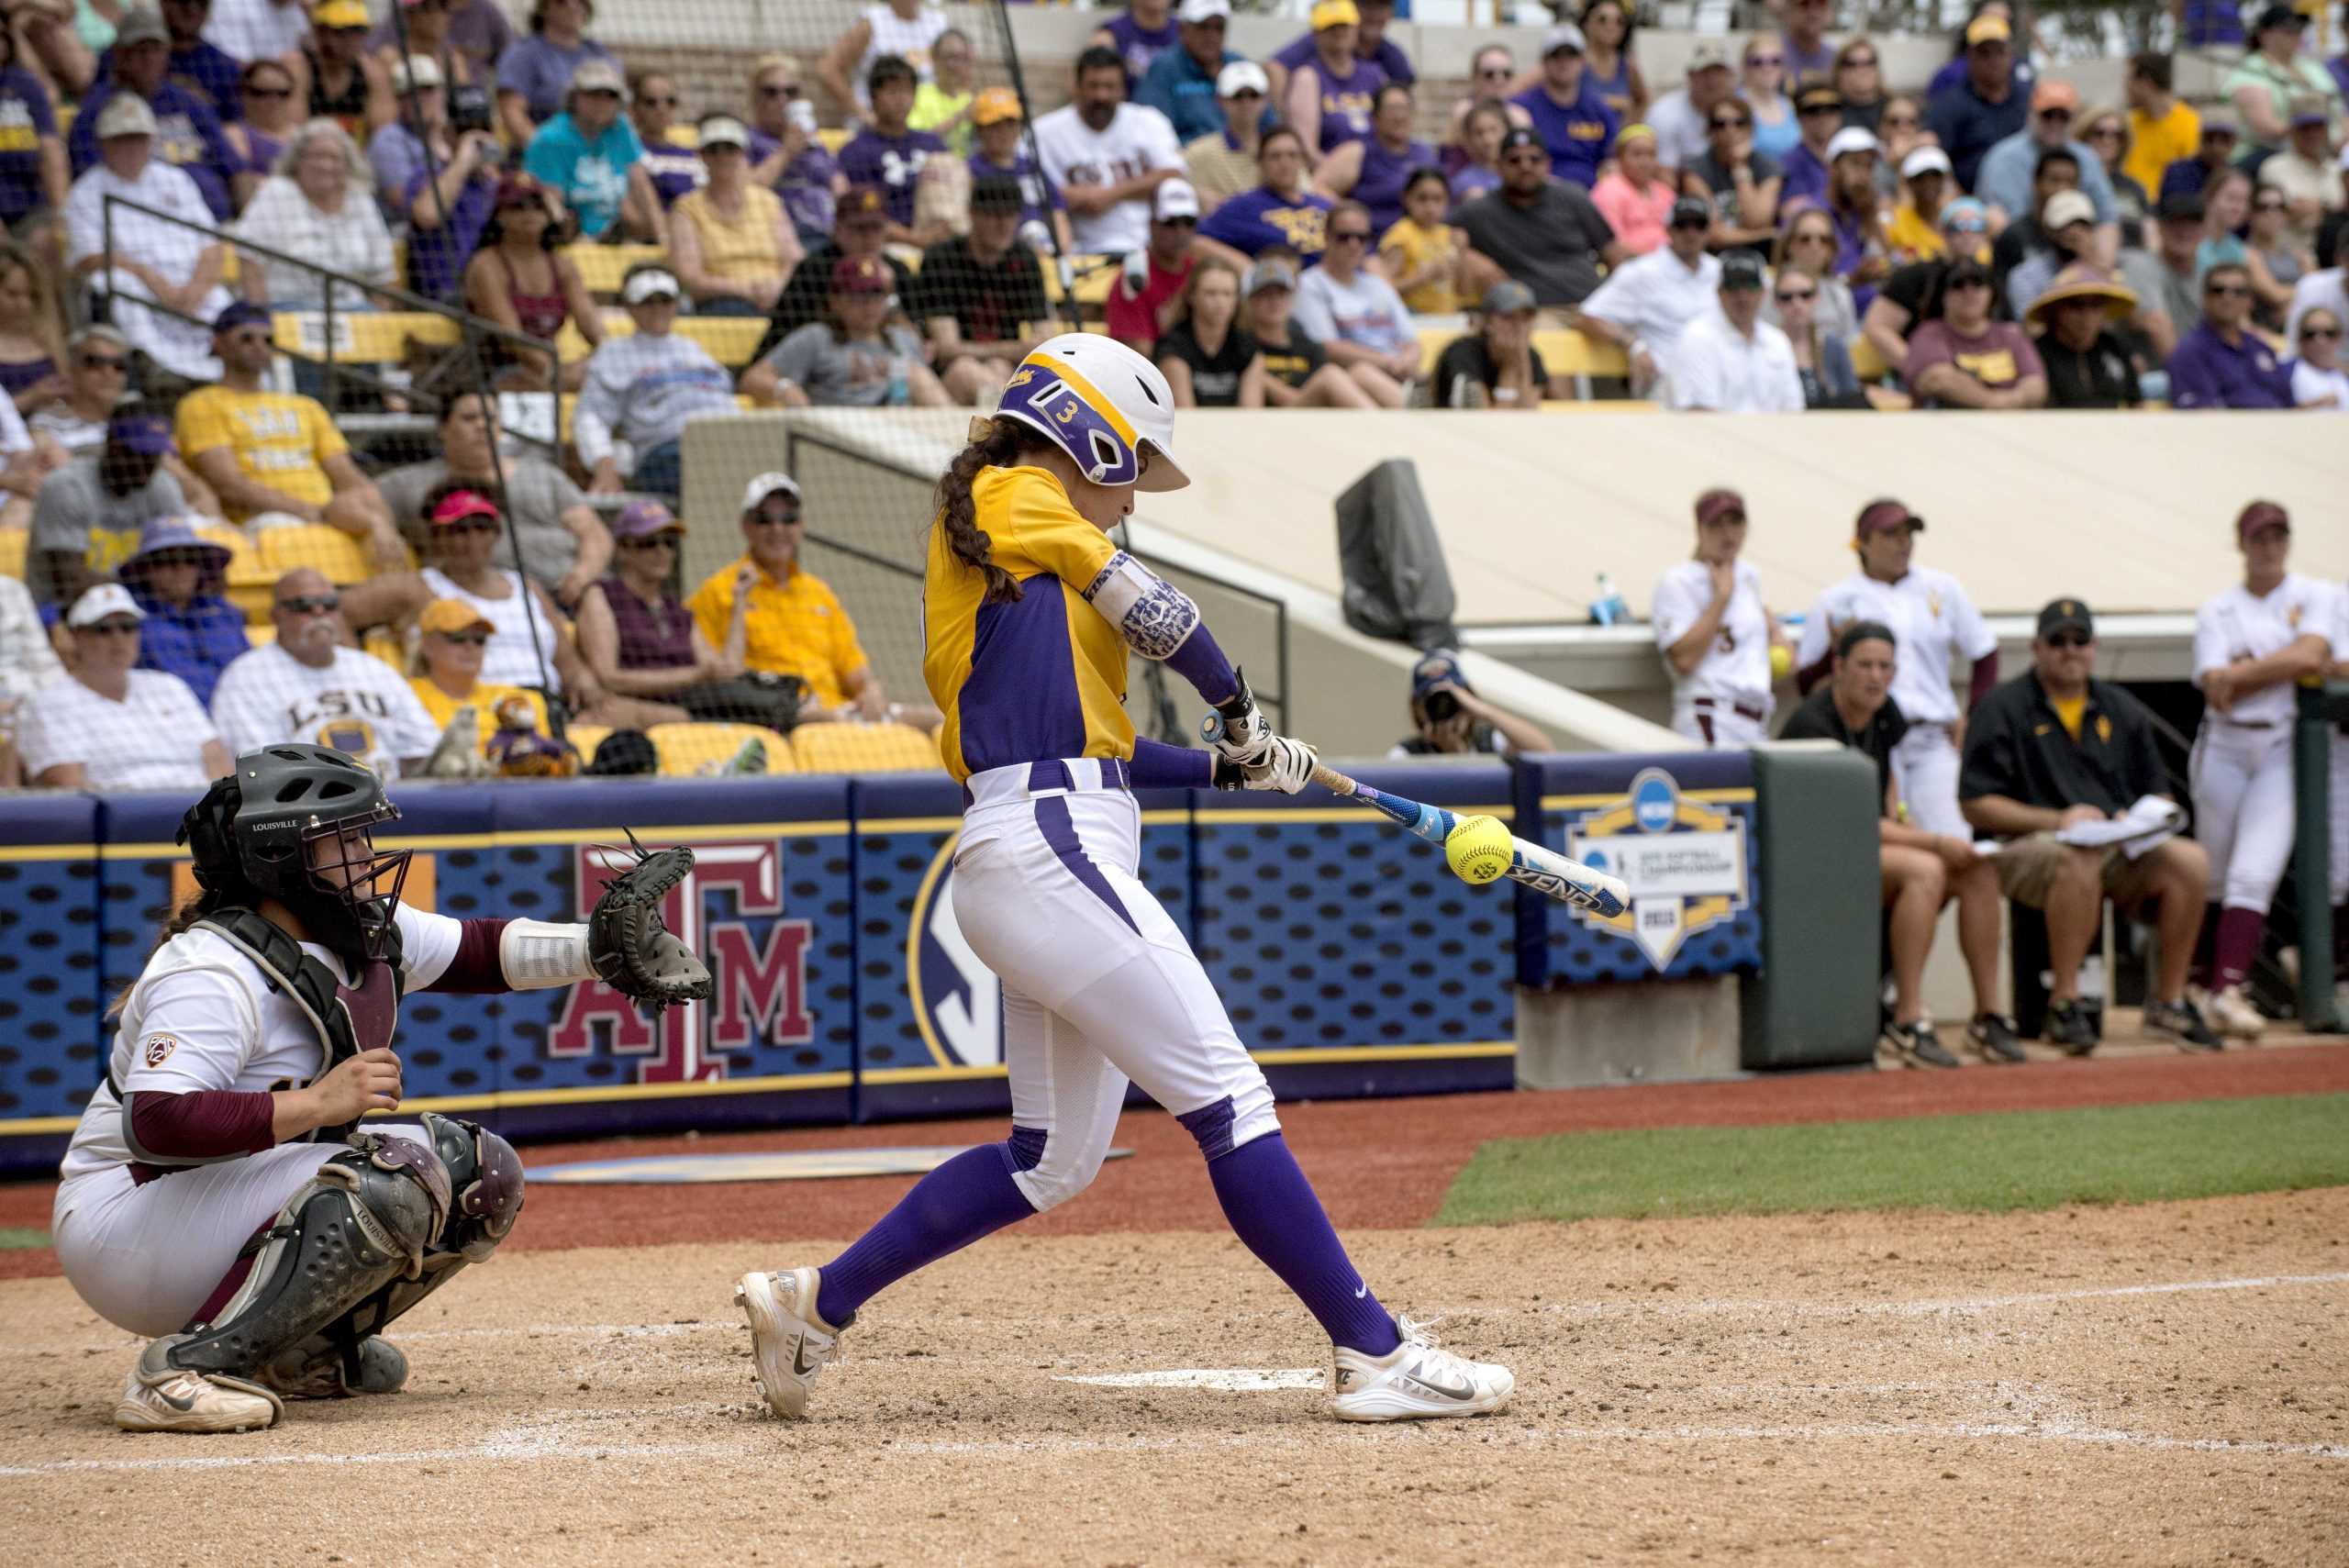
point(1101, 403)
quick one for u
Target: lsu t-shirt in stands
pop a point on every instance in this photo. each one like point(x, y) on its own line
point(281, 441)
point(25, 115)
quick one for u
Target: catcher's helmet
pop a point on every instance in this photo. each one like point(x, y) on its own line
point(252, 833)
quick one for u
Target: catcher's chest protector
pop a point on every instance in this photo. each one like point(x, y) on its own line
point(348, 1018)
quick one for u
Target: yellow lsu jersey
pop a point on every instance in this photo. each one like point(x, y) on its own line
point(1039, 676)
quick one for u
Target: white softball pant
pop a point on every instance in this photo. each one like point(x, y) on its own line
point(1098, 984)
point(1925, 763)
point(2242, 810)
point(146, 1257)
point(1719, 724)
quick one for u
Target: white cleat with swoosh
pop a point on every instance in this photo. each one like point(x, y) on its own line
point(1418, 1381)
point(791, 1344)
point(160, 1398)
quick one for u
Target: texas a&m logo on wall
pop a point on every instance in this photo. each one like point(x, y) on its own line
point(729, 909)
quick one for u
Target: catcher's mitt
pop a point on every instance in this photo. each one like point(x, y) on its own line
point(631, 951)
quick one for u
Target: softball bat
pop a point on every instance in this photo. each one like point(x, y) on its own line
point(1545, 871)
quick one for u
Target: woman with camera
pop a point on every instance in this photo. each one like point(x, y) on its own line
point(1453, 720)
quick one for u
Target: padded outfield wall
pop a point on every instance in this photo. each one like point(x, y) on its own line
point(1354, 962)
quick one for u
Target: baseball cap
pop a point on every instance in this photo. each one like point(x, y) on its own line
point(2180, 206)
point(240, 313)
point(447, 616)
point(1707, 57)
point(2219, 125)
point(1507, 297)
point(1634, 132)
point(143, 433)
point(1516, 135)
point(1964, 214)
point(1719, 502)
point(1689, 211)
point(1819, 96)
point(515, 189)
point(723, 130)
point(2308, 112)
point(598, 76)
point(1850, 140)
point(1565, 35)
point(1883, 516)
point(1335, 13)
point(1176, 199)
point(1925, 161)
point(864, 203)
point(458, 504)
point(1241, 76)
point(144, 25)
point(417, 71)
point(1269, 275)
point(996, 105)
point(1195, 12)
point(650, 283)
point(1741, 270)
point(2261, 515)
point(755, 493)
point(2060, 614)
point(101, 601)
point(2280, 17)
point(863, 274)
point(1437, 667)
point(2065, 209)
point(339, 14)
point(2051, 93)
point(640, 519)
point(126, 114)
point(996, 192)
point(1987, 29)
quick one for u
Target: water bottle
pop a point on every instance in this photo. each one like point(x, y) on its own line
point(1609, 608)
point(900, 390)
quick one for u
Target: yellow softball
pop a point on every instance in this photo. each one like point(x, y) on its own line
point(1479, 849)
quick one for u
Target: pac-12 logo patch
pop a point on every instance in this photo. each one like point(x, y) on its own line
point(157, 1048)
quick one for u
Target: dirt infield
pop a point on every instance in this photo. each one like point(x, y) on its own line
point(2155, 1385)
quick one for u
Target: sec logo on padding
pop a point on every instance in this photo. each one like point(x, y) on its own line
point(957, 1000)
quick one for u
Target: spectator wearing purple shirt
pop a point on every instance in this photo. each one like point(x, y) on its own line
point(205, 72)
point(187, 133)
point(32, 157)
point(1804, 42)
point(785, 151)
point(1371, 42)
point(2216, 151)
point(1819, 115)
point(2220, 365)
point(1145, 31)
point(1987, 105)
point(190, 631)
point(534, 73)
point(1374, 170)
point(1284, 210)
point(445, 215)
point(885, 153)
point(475, 32)
point(997, 126)
point(672, 167)
point(1330, 96)
point(1573, 121)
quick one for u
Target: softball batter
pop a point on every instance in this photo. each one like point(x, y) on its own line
point(1029, 614)
point(2252, 644)
point(217, 1194)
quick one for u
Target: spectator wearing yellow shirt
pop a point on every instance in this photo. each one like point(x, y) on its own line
point(1914, 234)
point(2162, 129)
point(1421, 250)
point(275, 458)
point(795, 625)
point(449, 652)
point(942, 103)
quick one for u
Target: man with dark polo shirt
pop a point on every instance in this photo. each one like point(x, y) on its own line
point(1539, 230)
point(1922, 870)
point(1982, 108)
point(2221, 363)
point(980, 297)
point(2055, 748)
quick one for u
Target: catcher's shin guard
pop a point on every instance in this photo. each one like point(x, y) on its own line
point(486, 1184)
point(365, 1219)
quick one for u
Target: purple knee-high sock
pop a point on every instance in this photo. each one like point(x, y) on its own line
point(969, 1196)
point(1273, 1209)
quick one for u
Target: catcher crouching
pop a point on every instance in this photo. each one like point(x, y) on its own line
point(219, 1193)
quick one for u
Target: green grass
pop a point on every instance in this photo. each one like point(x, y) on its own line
point(2018, 1159)
point(12, 1238)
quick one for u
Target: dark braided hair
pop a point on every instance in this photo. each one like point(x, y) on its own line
point(958, 514)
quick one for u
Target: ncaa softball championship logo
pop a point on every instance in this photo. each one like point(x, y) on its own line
point(1682, 858)
point(957, 1000)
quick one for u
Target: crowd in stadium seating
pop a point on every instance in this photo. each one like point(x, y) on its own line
point(1779, 230)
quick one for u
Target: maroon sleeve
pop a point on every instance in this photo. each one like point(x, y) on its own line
point(475, 969)
point(201, 1125)
point(1818, 670)
point(1986, 677)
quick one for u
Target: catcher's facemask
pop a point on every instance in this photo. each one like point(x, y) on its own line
point(344, 867)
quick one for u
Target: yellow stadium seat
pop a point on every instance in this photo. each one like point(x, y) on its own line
point(1091, 277)
point(584, 738)
point(1568, 352)
point(1865, 362)
point(331, 551)
point(685, 750)
point(384, 644)
point(362, 338)
point(14, 544)
point(864, 748)
point(262, 636)
point(730, 339)
point(833, 138)
point(601, 267)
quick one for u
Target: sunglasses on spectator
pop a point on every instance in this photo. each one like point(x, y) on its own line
point(112, 628)
point(1811, 109)
point(2221, 290)
point(1788, 296)
point(2063, 114)
point(466, 638)
point(2104, 133)
point(1731, 122)
point(311, 603)
point(1500, 70)
point(1957, 284)
point(655, 541)
point(774, 519)
point(105, 362)
point(2326, 333)
point(175, 560)
point(658, 102)
point(1350, 236)
point(473, 525)
point(253, 92)
point(1527, 155)
point(771, 89)
point(1859, 61)
point(2068, 639)
point(1901, 122)
point(1765, 59)
point(1812, 240)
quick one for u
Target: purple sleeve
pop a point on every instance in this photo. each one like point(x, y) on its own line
point(199, 1125)
point(475, 971)
point(37, 102)
point(1202, 663)
point(1157, 765)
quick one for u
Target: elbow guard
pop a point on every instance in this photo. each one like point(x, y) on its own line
point(1154, 617)
point(538, 954)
